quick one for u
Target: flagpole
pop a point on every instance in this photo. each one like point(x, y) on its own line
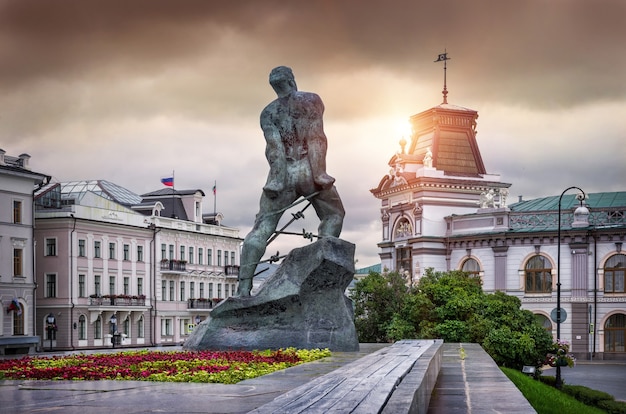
point(215, 200)
point(173, 192)
point(445, 72)
point(444, 56)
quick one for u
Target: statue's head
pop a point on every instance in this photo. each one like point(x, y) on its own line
point(282, 80)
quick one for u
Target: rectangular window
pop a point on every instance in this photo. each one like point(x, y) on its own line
point(18, 266)
point(171, 252)
point(51, 285)
point(225, 258)
point(111, 250)
point(126, 252)
point(163, 251)
point(210, 290)
point(219, 258)
point(17, 211)
point(190, 255)
point(82, 328)
point(164, 290)
point(182, 252)
point(140, 328)
point(404, 261)
point(614, 280)
point(232, 258)
point(200, 256)
point(96, 249)
point(126, 285)
point(166, 327)
point(81, 286)
point(192, 290)
point(209, 257)
point(111, 285)
point(81, 248)
point(219, 290)
point(97, 285)
point(172, 290)
point(51, 247)
point(97, 329)
point(182, 291)
point(201, 289)
point(232, 290)
point(140, 253)
point(140, 285)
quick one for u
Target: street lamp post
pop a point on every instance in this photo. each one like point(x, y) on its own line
point(581, 197)
point(50, 320)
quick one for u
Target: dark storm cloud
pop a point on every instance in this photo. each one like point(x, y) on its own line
point(152, 86)
point(535, 52)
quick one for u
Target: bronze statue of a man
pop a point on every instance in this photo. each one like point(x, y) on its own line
point(296, 152)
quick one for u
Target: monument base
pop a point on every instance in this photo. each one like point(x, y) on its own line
point(301, 305)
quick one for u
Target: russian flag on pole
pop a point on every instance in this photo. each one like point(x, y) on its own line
point(169, 181)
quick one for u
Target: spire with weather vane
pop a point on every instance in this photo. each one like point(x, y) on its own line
point(444, 57)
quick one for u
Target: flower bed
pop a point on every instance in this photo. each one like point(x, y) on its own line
point(227, 367)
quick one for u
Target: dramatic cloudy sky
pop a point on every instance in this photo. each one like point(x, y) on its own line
point(129, 91)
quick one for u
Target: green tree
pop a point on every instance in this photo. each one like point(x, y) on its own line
point(451, 306)
point(377, 298)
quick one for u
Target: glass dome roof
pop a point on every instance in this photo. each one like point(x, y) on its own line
point(106, 189)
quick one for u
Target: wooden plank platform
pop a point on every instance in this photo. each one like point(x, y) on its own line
point(368, 384)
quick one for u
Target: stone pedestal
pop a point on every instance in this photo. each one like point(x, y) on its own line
point(301, 305)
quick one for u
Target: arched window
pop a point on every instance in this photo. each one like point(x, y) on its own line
point(97, 334)
point(538, 275)
point(544, 321)
point(140, 329)
point(471, 266)
point(82, 327)
point(614, 270)
point(614, 332)
point(127, 327)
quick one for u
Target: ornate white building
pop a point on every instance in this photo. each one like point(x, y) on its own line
point(441, 209)
point(143, 268)
point(17, 284)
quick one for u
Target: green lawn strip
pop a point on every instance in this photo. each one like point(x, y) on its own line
point(546, 399)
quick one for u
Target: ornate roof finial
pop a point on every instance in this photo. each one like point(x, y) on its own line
point(444, 57)
point(402, 144)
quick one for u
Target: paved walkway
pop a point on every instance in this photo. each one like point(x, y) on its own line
point(471, 382)
point(474, 377)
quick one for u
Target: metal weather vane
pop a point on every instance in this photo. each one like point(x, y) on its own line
point(444, 57)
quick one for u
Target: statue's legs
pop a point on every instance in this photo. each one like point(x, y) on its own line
point(255, 243)
point(330, 211)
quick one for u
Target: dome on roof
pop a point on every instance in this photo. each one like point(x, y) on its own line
point(106, 189)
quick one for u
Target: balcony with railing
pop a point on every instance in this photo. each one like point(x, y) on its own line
point(173, 265)
point(117, 300)
point(203, 303)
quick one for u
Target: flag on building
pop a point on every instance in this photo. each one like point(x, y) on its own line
point(215, 189)
point(442, 57)
point(15, 306)
point(168, 181)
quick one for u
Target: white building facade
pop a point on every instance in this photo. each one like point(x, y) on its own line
point(441, 209)
point(17, 284)
point(121, 269)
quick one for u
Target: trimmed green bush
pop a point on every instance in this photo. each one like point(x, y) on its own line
point(587, 395)
point(548, 380)
point(613, 407)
